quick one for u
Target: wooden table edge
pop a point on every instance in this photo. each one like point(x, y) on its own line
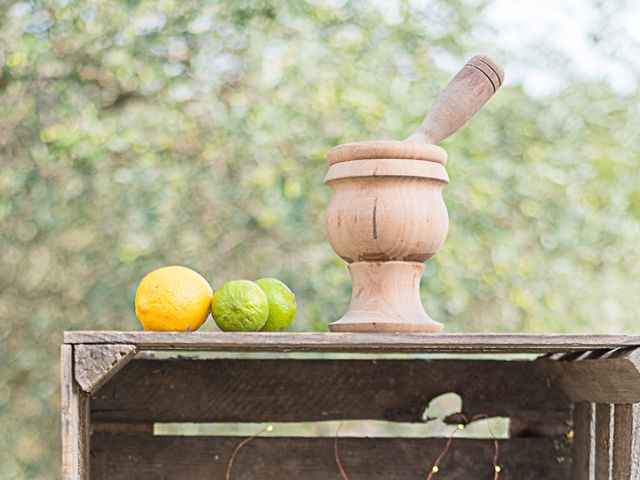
point(357, 342)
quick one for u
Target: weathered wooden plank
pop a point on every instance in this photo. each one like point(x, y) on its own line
point(582, 465)
point(357, 342)
point(230, 390)
point(626, 442)
point(147, 428)
point(132, 457)
point(603, 376)
point(75, 422)
point(519, 427)
point(95, 364)
point(604, 434)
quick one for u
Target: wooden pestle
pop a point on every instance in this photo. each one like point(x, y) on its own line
point(463, 96)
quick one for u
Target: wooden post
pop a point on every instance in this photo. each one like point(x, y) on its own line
point(617, 442)
point(626, 442)
point(604, 441)
point(582, 463)
point(75, 422)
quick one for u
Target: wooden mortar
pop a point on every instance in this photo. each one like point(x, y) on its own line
point(387, 216)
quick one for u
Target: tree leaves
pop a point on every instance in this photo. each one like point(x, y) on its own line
point(139, 134)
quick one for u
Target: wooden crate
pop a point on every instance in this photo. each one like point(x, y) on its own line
point(573, 406)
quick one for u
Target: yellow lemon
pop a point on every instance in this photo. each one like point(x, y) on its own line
point(173, 299)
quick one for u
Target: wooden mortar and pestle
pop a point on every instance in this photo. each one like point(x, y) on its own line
point(386, 216)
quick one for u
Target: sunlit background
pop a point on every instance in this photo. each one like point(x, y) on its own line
point(142, 133)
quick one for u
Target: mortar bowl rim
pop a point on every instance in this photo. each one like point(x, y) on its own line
point(386, 149)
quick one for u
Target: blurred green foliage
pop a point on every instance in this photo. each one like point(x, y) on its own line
point(135, 134)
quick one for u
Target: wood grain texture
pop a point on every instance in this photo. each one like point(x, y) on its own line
point(463, 96)
point(139, 428)
point(391, 208)
point(385, 298)
point(582, 465)
point(95, 364)
point(223, 390)
point(603, 441)
point(131, 457)
point(386, 149)
point(387, 167)
point(602, 376)
point(389, 213)
point(519, 427)
point(75, 422)
point(356, 342)
point(626, 442)
point(384, 218)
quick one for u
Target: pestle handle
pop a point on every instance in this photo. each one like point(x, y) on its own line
point(463, 96)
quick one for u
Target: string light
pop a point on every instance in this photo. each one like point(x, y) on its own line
point(497, 469)
point(268, 428)
point(436, 465)
point(336, 454)
point(496, 452)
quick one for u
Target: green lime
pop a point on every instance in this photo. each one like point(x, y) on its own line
point(282, 304)
point(240, 306)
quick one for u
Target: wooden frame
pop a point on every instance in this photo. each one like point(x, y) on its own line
point(575, 410)
point(357, 342)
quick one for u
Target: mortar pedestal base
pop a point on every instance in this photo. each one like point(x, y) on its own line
point(386, 298)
